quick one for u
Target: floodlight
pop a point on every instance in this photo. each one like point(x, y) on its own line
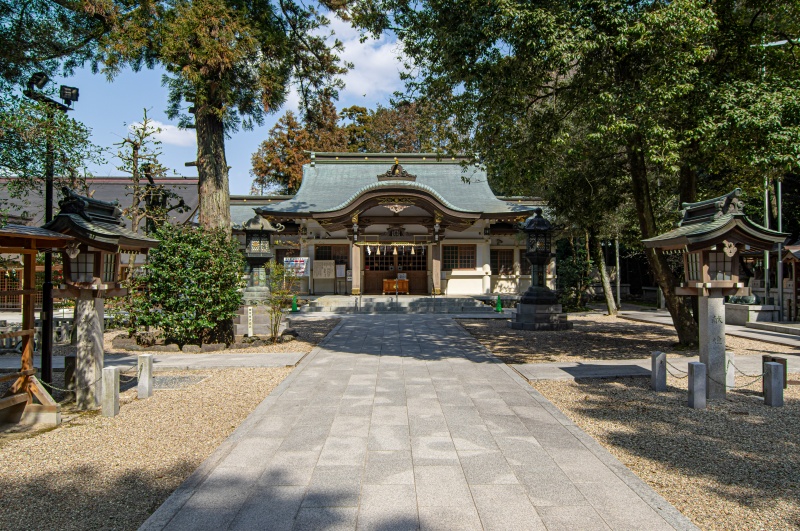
point(69, 94)
point(39, 80)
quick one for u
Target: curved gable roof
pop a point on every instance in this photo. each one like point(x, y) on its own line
point(330, 185)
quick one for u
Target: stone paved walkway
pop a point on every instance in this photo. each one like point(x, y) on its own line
point(406, 422)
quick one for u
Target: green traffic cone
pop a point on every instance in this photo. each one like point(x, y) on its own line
point(294, 303)
point(499, 306)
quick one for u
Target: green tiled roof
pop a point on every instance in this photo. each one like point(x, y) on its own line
point(714, 231)
point(330, 186)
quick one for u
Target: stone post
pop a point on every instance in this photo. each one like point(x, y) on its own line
point(69, 375)
point(89, 358)
point(355, 266)
point(145, 379)
point(712, 343)
point(773, 384)
point(658, 371)
point(110, 400)
point(697, 385)
point(730, 370)
point(436, 268)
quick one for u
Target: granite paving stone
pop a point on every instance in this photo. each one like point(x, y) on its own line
point(405, 423)
point(505, 507)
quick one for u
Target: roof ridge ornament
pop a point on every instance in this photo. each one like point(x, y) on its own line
point(712, 208)
point(89, 208)
point(396, 173)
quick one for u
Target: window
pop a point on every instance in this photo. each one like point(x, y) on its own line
point(693, 261)
point(375, 262)
point(719, 266)
point(82, 267)
point(411, 262)
point(109, 267)
point(502, 261)
point(338, 253)
point(458, 257)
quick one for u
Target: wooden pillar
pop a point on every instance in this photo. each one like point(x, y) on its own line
point(436, 268)
point(355, 265)
point(28, 283)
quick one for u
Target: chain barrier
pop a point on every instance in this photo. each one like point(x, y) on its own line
point(755, 379)
point(53, 387)
point(87, 386)
point(737, 369)
point(685, 373)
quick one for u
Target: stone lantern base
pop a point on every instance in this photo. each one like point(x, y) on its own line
point(539, 310)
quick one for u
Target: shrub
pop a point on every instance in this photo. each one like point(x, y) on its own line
point(283, 285)
point(190, 288)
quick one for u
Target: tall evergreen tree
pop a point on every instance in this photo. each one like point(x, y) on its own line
point(231, 61)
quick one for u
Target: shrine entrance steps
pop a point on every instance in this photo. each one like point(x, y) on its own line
point(403, 304)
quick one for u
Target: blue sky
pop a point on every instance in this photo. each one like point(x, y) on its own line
point(109, 108)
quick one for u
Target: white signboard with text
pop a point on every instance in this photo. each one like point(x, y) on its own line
point(298, 263)
point(324, 269)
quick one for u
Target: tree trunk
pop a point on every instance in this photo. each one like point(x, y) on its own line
point(599, 258)
point(212, 170)
point(681, 314)
point(688, 184)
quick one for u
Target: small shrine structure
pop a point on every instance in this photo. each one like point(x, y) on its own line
point(711, 236)
point(19, 403)
point(92, 273)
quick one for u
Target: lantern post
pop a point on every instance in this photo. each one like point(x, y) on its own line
point(538, 309)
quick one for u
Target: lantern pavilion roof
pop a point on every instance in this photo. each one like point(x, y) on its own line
point(97, 223)
point(714, 221)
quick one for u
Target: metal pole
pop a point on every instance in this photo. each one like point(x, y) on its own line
point(619, 285)
point(47, 287)
point(766, 253)
point(780, 254)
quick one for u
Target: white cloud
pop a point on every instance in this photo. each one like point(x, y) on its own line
point(375, 75)
point(173, 136)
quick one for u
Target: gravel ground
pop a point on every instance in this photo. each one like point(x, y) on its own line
point(595, 336)
point(112, 473)
point(735, 465)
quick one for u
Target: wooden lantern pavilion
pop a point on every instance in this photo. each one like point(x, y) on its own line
point(91, 273)
point(712, 236)
point(100, 235)
point(19, 402)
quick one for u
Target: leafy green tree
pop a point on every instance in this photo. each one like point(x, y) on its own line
point(574, 274)
point(150, 201)
point(233, 61)
point(26, 129)
point(43, 35)
point(684, 95)
point(192, 284)
point(278, 163)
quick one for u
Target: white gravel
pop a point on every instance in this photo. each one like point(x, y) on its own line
point(735, 465)
point(112, 473)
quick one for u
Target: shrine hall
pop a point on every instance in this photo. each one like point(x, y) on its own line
point(375, 223)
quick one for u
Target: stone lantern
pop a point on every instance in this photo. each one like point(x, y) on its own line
point(711, 236)
point(538, 309)
point(91, 273)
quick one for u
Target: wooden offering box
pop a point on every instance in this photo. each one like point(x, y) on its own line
point(391, 285)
